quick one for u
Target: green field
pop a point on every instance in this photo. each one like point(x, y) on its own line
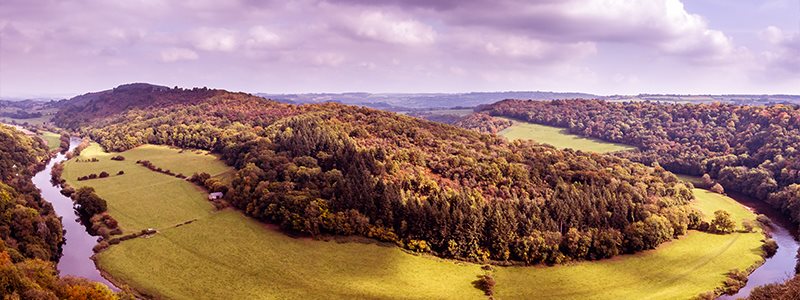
point(225, 255)
point(141, 198)
point(558, 137)
point(680, 269)
point(53, 140)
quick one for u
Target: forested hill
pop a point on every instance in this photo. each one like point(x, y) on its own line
point(748, 149)
point(336, 169)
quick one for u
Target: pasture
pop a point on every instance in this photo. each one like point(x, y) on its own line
point(558, 137)
point(53, 140)
point(680, 269)
point(226, 255)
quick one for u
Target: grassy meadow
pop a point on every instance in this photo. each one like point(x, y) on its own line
point(558, 137)
point(141, 198)
point(226, 255)
point(680, 269)
point(53, 140)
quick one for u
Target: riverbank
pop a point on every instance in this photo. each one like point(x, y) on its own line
point(76, 251)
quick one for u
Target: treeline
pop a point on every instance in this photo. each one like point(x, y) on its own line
point(28, 224)
point(483, 123)
point(30, 231)
point(335, 169)
point(747, 149)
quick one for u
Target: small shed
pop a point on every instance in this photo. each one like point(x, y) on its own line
point(215, 196)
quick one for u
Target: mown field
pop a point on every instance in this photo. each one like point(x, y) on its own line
point(225, 255)
point(141, 198)
point(558, 137)
point(53, 140)
point(680, 269)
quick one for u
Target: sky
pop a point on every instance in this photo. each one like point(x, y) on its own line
point(69, 47)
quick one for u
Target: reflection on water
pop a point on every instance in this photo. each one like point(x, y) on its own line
point(77, 249)
point(780, 267)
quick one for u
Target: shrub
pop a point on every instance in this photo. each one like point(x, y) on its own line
point(103, 174)
point(485, 283)
point(118, 158)
point(121, 172)
point(748, 225)
point(722, 223)
point(770, 247)
point(735, 281)
point(764, 220)
point(89, 204)
point(717, 188)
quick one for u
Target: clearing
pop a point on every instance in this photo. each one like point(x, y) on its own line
point(558, 137)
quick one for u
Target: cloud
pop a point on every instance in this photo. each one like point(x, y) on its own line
point(215, 39)
point(178, 54)
point(261, 37)
point(785, 51)
point(388, 28)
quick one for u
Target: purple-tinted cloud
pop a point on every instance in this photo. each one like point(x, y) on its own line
point(382, 45)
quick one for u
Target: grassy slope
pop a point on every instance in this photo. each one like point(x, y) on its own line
point(558, 137)
point(53, 140)
point(679, 269)
point(225, 255)
point(228, 256)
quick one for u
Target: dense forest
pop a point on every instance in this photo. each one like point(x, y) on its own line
point(483, 123)
point(748, 149)
point(30, 231)
point(335, 169)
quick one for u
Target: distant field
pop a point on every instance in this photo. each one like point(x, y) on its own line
point(53, 140)
point(680, 269)
point(225, 255)
point(558, 137)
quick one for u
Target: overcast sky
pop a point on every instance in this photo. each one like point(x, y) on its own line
point(64, 47)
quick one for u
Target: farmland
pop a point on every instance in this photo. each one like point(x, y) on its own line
point(559, 138)
point(227, 255)
point(680, 269)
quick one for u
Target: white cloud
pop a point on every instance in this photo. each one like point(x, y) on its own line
point(215, 39)
point(785, 51)
point(387, 28)
point(261, 37)
point(178, 54)
point(328, 59)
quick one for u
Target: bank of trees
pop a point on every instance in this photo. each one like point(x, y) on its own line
point(747, 149)
point(30, 232)
point(335, 169)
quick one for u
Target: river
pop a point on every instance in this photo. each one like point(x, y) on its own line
point(77, 249)
point(779, 267)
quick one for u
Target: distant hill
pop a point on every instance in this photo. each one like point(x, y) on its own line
point(411, 101)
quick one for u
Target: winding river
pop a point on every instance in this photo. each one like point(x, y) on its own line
point(781, 266)
point(77, 249)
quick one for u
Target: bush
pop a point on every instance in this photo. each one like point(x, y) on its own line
point(717, 188)
point(118, 158)
point(722, 223)
point(103, 174)
point(770, 247)
point(748, 225)
point(764, 220)
point(486, 284)
point(735, 281)
point(121, 172)
point(89, 204)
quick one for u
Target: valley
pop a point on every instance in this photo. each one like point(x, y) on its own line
point(223, 254)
